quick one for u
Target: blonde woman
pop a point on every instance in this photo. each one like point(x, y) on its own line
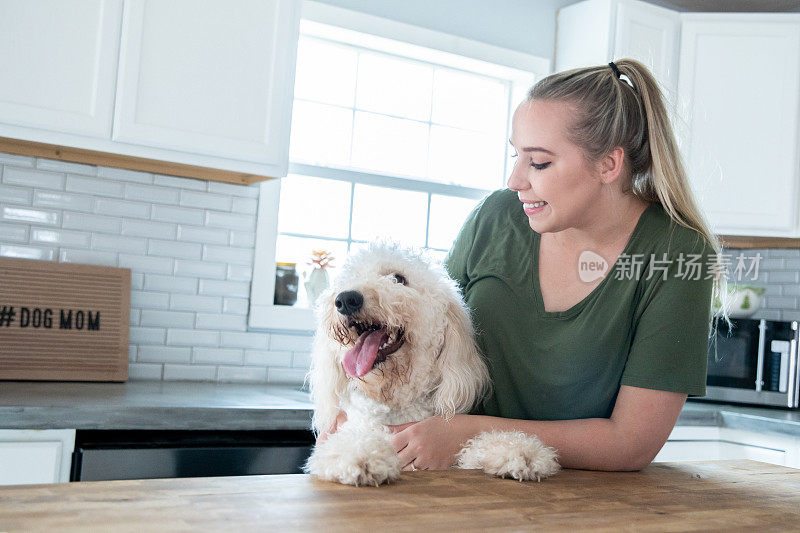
point(583, 279)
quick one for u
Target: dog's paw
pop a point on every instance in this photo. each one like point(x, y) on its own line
point(511, 454)
point(355, 458)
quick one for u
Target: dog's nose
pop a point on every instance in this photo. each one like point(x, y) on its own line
point(349, 302)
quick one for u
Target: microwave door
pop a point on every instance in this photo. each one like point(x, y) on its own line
point(733, 362)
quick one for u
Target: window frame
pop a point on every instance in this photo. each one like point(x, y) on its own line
point(392, 37)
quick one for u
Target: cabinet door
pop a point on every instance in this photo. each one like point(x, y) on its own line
point(59, 64)
point(676, 451)
point(210, 77)
point(34, 456)
point(650, 34)
point(739, 78)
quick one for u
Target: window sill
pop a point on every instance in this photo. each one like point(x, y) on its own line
point(282, 317)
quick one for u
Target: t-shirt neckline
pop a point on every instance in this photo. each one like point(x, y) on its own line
point(575, 309)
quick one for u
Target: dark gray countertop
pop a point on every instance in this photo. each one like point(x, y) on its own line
point(229, 406)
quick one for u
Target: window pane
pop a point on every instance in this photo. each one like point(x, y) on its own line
point(436, 256)
point(326, 72)
point(391, 145)
point(466, 158)
point(393, 213)
point(314, 206)
point(298, 250)
point(320, 134)
point(447, 216)
point(470, 101)
point(394, 86)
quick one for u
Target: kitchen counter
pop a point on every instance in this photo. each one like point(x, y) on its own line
point(664, 497)
point(233, 406)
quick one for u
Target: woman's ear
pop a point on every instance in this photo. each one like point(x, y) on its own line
point(464, 376)
point(327, 382)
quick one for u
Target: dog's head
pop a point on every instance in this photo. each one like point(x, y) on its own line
point(393, 325)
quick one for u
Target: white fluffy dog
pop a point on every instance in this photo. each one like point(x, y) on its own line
point(394, 344)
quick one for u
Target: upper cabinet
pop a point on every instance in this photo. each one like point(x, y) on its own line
point(594, 32)
point(732, 83)
point(207, 84)
point(59, 65)
point(740, 78)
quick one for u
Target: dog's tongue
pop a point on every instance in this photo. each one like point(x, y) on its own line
point(360, 358)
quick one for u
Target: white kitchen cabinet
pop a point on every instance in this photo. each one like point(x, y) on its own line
point(740, 80)
point(207, 84)
point(710, 443)
point(59, 65)
point(35, 456)
point(594, 32)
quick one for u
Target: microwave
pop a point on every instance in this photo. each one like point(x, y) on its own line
point(754, 362)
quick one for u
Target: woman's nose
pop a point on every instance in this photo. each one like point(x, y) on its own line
point(517, 181)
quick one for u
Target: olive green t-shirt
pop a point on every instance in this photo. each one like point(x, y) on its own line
point(645, 325)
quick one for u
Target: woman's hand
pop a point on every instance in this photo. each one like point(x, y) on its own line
point(432, 443)
point(341, 418)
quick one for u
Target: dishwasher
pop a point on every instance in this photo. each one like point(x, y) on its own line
point(102, 455)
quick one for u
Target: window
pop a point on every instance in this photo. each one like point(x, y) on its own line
point(386, 142)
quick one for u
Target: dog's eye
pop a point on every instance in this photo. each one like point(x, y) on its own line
point(399, 278)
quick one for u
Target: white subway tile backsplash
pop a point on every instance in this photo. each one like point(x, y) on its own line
point(27, 252)
point(140, 335)
point(168, 319)
point(221, 321)
point(180, 215)
point(125, 175)
point(181, 183)
point(237, 256)
point(164, 354)
point(780, 302)
point(192, 337)
point(292, 343)
point(27, 215)
point(87, 257)
point(73, 202)
point(122, 208)
point(118, 243)
point(66, 166)
point(144, 263)
point(301, 360)
point(137, 281)
point(244, 374)
point(135, 317)
point(778, 252)
point(13, 232)
point(206, 200)
point(187, 302)
point(267, 358)
point(240, 273)
point(17, 160)
point(778, 276)
point(182, 250)
point(100, 223)
point(230, 221)
point(94, 186)
point(141, 228)
point(9, 194)
point(145, 371)
point(61, 237)
point(201, 269)
point(235, 306)
point(244, 340)
point(245, 206)
point(243, 239)
point(248, 191)
point(202, 235)
point(150, 300)
point(151, 193)
point(217, 356)
point(33, 178)
point(224, 288)
point(156, 282)
point(189, 372)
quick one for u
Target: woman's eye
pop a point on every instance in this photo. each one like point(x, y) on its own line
point(540, 167)
point(399, 278)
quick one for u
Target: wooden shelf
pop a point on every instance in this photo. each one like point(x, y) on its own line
point(740, 241)
point(105, 159)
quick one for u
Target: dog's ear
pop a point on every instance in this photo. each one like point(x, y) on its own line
point(327, 382)
point(464, 376)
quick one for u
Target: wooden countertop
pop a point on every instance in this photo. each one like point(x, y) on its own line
point(663, 496)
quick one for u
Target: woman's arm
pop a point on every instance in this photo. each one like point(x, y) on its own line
point(639, 426)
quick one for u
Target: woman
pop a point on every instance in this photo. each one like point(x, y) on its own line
point(596, 361)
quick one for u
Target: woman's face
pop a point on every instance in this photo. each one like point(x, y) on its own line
point(550, 168)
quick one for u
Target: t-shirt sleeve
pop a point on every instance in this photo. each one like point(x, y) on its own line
point(669, 350)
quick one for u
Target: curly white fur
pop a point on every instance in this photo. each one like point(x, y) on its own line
point(438, 370)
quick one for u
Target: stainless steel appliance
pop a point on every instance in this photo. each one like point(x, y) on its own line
point(754, 362)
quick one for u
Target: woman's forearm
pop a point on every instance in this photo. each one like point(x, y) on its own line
point(589, 443)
